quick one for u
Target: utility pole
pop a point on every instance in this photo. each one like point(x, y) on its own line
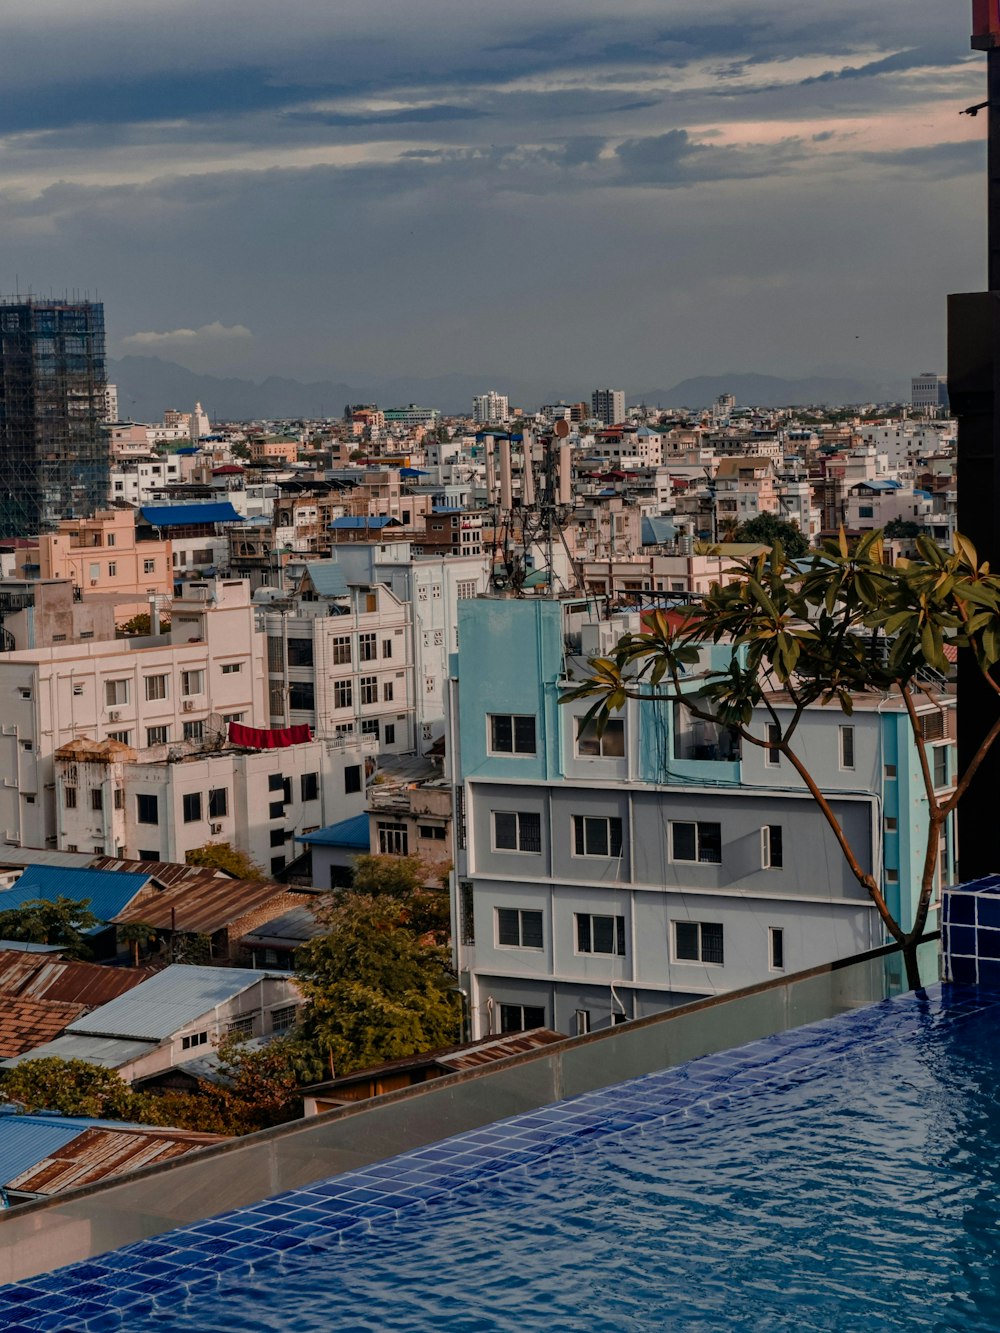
point(974, 394)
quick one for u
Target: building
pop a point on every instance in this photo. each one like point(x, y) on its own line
point(608, 405)
point(604, 878)
point(490, 408)
point(101, 556)
point(55, 454)
point(929, 391)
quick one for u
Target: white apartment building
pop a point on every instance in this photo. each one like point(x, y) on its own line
point(608, 405)
point(490, 408)
point(145, 693)
point(136, 481)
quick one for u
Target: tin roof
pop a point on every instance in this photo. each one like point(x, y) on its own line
point(108, 1052)
point(286, 931)
point(27, 1139)
point(100, 1152)
point(167, 1001)
point(207, 905)
point(164, 872)
point(327, 577)
point(347, 833)
point(185, 515)
point(42, 977)
point(25, 1023)
point(108, 891)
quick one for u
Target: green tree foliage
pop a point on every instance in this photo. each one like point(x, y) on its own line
point(768, 529)
point(224, 856)
point(61, 922)
point(141, 624)
point(376, 989)
point(823, 629)
point(902, 527)
point(426, 906)
point(70, 1087)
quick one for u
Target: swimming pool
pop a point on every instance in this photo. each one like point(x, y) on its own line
point(843, 1175)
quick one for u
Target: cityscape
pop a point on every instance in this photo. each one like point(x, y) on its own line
point(502, 850)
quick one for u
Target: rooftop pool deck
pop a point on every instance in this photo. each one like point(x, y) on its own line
point(842, 1175)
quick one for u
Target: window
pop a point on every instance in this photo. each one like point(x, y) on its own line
point(770, 847)
point(309, 787)
point(112, 568)
point(156, 687)
point(194, 731)
point(512, 733)
point(939, 765)
point(367, 647)
point(115, 693)
point(610, 745)
point(342, 650)
point(369, 726)
point(696, 842)
point(284, 1018)
point(866, 511)
point(776, 948)
point(387, 692)
point(192, 682)
point(69, 798)
point(432, 832)
point(932, 725)
point(465, 588)
point(276, 810)
point(194, 1039)
point(698, 942)
point(597, 835)
point(892, 876)
point(582, 1021)
point(192, 807)
point(519, 928)
point(369, 689)
point(240, 1027)
point(275, 782)
point(600, 934)
point(386, 647)
point(147, 810)
point(218, 802)
point(517, 831)
point(343, 695)
point(27, 745)
point(278, 837)
point(157, 735)
point(277, 865)
point(231, 668)
point(390, 733)
point(119, 798)
point(890, 772)
point(772, 757)
point(125, 737)
point(301, 695)
point(392, 839)
point(97, 798)
point(352, 779)
point(149, 566)
point(846, 747)
point(300, 652)
point(521, 1017)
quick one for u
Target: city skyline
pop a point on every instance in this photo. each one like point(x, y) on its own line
point(620, 196)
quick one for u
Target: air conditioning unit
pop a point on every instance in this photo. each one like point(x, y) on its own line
point(93, 583)
point(215, 828)
point(114, 715)
point(188, 705)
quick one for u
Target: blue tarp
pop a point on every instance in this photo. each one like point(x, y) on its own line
point(176, 516)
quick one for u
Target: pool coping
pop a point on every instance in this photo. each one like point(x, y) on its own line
point(113, 1290)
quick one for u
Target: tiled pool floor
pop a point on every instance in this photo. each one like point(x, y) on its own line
point(205, 1276)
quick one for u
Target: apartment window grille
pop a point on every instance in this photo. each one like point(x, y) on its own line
point(698, 942)
point(600, 934)
point(701, 842)
point(597, 835)
point(519, 928)
point(393, 839)
point(156, 687)
point(521, 1017)
point(517, 831)
point(512, 733)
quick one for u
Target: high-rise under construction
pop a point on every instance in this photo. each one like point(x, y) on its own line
point(54, 450)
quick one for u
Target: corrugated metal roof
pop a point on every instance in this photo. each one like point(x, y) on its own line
point(168, 1001)
point(327, 577)
point(26, 1140)
point(27, 1023)
point(38, 856)
point(364, 521)
point(347, 833)
point(46, 978)
point(176, 516)
point(108, 891)
point(657, 528)
point(100, 1153)
point(109, 1052)
point(286, 931)
point(164, 872)
point(208, 906)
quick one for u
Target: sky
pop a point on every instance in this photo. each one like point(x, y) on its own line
point(622, 192)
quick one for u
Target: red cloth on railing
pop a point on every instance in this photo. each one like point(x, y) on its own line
point(268, 738)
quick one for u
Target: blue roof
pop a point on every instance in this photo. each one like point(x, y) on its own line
point(109, 891)
point(881, 485)
point(355, 521)
point(175, 516)
point(412, 472)
point(348, 833)
point(657, 528)
point(327, 578)
point(26, 1140)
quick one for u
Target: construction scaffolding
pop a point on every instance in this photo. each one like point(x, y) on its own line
point(55, 454)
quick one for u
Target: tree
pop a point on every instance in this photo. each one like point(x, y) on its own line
point(376, 989)
point(768, 529)
point(136, 934)
point(140, 624)
point(224, 856)
point(70, 1087)
point(823, 629)
point(426, 908)
point(902, 527)
point(62, 922)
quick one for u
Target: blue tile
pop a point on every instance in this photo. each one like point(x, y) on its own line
point(961, 940)
point(988, 912)
point(988, 943)
point(989, 971)
point(960, 908)
point(963, 970)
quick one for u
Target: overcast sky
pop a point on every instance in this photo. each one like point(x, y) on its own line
point(618, 191)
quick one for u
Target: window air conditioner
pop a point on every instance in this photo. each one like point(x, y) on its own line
point(215, 828)
point(114, 715)
point(189, 705)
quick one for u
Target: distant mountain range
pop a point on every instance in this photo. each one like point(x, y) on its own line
point(147, 386)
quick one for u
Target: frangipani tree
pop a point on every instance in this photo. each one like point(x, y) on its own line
point(822, 629)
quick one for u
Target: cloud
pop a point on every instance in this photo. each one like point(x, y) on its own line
point(214, 332)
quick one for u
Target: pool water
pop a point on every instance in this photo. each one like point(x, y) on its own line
point(841, 1176)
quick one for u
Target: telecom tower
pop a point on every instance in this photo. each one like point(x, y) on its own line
point(54, 454)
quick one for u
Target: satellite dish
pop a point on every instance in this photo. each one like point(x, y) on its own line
point(216, 732)
point(560, 428)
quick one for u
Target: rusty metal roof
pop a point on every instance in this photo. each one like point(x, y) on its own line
point(99, 1153)
point(207, 905)
point(164, 872)
point(42, 977)
point(25, 1024)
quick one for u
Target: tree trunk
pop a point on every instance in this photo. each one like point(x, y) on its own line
point(909, 948)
